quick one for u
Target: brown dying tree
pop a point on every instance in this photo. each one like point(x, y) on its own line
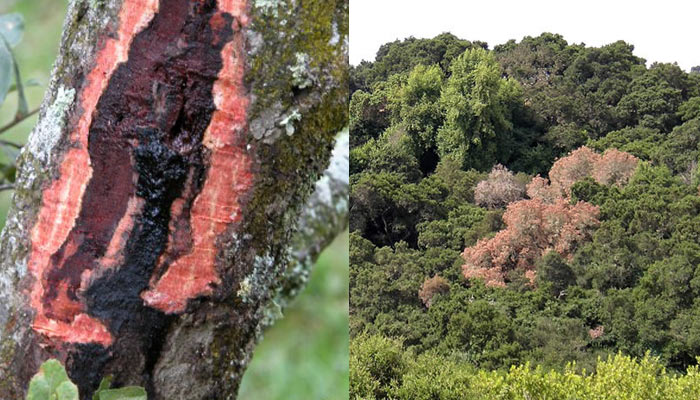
point(179, 183)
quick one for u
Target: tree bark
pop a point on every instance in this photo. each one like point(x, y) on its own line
point(163, 210)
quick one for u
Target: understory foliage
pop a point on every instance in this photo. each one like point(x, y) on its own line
point(380, 368)
point(535, 203)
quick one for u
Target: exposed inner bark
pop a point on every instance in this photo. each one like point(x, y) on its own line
point(145, 149)
point(61, 201)
point(193, 272)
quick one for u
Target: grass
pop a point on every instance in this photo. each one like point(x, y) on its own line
point(305, 355)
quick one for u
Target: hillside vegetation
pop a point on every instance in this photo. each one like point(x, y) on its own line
point(534, 204)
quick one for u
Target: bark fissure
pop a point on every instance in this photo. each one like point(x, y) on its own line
point(140, 150)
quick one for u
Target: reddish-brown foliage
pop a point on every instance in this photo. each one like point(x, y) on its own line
point(546, 222)
point(431, 287)
point(499, 189)
point(596, 332)
point(614, 167)
point(533, 227)
point(579, 164)
point(539, 188)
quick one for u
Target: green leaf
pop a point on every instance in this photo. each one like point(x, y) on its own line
point(51, 382)
point(12, 28)
point(125, 393)
point(6, 63)
point(22, 107)
point(11, 152)
point(67, 391)
point(9, 172)
point(105, 384)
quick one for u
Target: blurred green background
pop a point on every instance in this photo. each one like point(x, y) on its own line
point(305, 355)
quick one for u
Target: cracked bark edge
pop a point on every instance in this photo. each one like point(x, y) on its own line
point(208, 334)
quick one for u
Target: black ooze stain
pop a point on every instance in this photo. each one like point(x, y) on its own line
point(150, 120)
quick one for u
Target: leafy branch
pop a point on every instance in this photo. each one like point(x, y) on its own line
point(11, 32)
point(52, 383)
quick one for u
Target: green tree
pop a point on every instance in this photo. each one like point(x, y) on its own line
point(477, 102)
point(420, 113)
point(652, 98)
point(369, 116)
point(403, 55)
point(554, 269)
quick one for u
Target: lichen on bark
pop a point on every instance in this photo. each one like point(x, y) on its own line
point(319, 29)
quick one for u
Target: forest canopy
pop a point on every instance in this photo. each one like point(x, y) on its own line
point(537, 202)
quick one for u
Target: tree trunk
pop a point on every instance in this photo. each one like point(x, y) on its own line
point(162, 212)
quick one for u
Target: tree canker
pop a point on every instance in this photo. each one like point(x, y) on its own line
point(154, 175)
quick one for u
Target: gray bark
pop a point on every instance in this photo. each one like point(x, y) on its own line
point(297, 76)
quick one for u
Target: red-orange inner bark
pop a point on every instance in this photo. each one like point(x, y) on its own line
point(90, 211)
point(228, 178)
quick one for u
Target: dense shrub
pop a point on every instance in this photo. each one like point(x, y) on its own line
point(433, 377)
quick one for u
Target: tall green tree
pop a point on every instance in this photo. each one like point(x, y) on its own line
point(420, 113)
point(478, 103)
